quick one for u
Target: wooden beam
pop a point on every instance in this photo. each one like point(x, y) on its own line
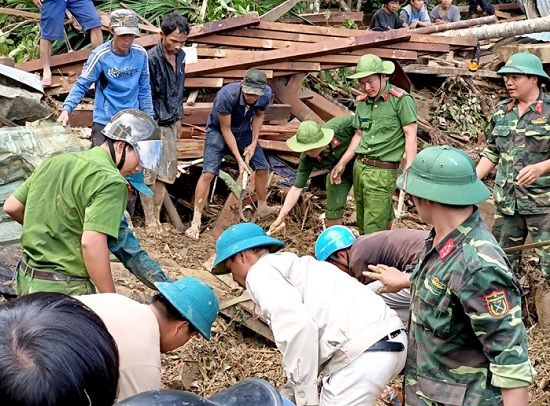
point(237, 74)
point(201, 83)
point(323, 107)
point(426, 38)
point(327, 31)
point(198, 113)
point(302, 51)
point(320, 18)
point(298, 108)
point(147, 41)
point(448, 71)
point(295, 82)
point(19, 13)
point(279, 11)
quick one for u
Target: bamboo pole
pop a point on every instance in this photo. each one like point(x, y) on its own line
point(510, 29)
point(454, 26)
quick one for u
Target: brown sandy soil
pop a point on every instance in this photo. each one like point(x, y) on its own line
point(235, 353)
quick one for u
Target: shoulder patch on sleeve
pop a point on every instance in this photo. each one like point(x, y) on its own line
point(361, 97)
point(397, 92)
point(497, 303)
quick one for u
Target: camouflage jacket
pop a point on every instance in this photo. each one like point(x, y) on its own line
point(514, 143)
point(466, 337)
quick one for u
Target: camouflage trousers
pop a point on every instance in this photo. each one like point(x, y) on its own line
point(510, 231)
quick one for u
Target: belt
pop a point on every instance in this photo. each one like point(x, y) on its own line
point(51, 276)
point(385, 345)
point(378, 164)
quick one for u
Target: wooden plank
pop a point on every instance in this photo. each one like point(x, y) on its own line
point(327, 31)
point(279, 11)
point(277, 35)
point(448, 71)
point(244, 42)
point(201, 83)
point(420, 47)
point(190, 148)
point(323, 107)
point(236, 74)
point(295, 82)
point(302, 51)
point(320, 18)
point(19, 13)
point(197, 114)
point(147, 41)
point(298, 108)
point(426, 38)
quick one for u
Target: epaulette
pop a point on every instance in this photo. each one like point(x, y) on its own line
point(399, 93)
point(538, 107)
point(361, 97)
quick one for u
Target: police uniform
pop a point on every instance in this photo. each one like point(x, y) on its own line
point(514, 143)
point(379, 154)
point(336, 193)
point(466, 336)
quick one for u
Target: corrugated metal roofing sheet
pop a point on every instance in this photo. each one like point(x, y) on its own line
point(541, 8)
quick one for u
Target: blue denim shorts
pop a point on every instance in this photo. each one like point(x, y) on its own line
point(215, 148)
point(52, 16)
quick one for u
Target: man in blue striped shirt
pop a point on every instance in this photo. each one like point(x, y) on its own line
point(120, 72)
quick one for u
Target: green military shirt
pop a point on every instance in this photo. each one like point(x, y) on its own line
point(514, 143)
point(66, 195)
point(382, 121)
point(343, 133)
point(466, 336)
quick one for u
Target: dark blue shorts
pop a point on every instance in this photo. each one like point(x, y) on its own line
point(215, 148)
point(52, 16)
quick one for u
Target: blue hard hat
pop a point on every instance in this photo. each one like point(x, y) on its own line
point(333, 239)
point(195, 300)
point(239, 238)
point(138, 182)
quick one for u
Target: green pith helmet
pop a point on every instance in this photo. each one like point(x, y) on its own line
point(445, 175)
point(310, 135)
point(370, 64)
point(524, 63)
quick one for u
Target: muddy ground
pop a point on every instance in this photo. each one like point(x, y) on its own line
point(234, 352)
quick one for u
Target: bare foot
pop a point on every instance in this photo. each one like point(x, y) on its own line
point(46, 81)
point(192, 232)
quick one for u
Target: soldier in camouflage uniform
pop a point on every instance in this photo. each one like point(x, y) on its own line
point(519, 143)
point(467, 342)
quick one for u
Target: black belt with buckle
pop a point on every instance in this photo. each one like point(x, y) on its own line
point(385, 345)
point(379, 164)
point(50, 276)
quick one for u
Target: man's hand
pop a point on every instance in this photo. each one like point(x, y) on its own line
point(529, 174)
point(37, 3)
point(64, 116)
point(413, 25)
point(276, 226)
point(336, 174)
point(243, 166)
point(250, 149)
point(393, 279)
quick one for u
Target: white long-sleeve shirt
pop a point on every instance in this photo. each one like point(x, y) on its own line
point(321, 318)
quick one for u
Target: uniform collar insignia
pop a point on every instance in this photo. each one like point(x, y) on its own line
point(447, 249)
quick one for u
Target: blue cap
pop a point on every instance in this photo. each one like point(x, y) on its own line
point(137, 181)
point(194, 299)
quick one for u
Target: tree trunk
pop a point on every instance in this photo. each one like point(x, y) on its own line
point(510, 29)
point(453, 26)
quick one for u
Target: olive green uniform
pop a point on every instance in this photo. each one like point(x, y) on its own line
point(336, 194)
point(466, 335)
point(514, 143)
point(65, 196)
point(382, 121)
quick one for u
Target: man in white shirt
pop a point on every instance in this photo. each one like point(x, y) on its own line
point(181, 310)
point(322, 320)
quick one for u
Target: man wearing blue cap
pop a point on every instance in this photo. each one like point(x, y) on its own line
point(322, 320)
point(181, 310)
point(519, 143)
